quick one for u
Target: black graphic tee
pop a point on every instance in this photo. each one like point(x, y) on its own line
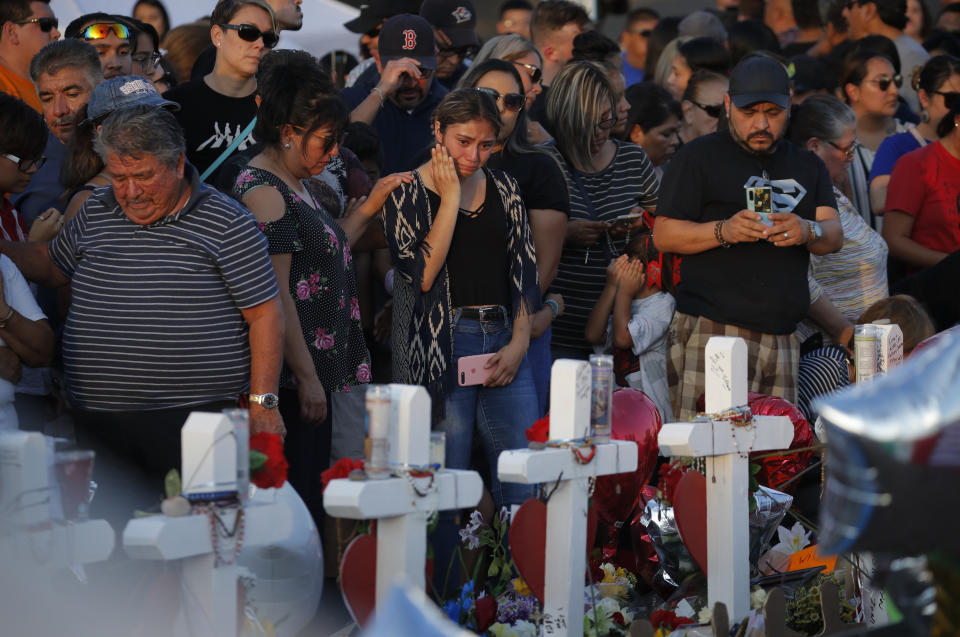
point(756, 286)
point(211, 121)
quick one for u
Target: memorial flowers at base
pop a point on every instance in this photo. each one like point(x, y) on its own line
point(268, 466)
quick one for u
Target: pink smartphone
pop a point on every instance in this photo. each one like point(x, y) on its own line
point(471, 370)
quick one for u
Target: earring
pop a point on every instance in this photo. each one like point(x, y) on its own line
point(924, 117)
point(287, 145)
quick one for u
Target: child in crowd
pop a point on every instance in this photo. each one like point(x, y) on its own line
point(641, 313)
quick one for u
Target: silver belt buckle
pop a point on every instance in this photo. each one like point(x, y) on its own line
point(484, 310)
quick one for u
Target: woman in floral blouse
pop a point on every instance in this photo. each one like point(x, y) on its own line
point(300, 122)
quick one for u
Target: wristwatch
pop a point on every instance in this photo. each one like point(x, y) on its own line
point(267, 401)
point(816, 232)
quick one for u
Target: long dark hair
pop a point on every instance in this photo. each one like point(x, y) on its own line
point(466, 105)
point(517, 143)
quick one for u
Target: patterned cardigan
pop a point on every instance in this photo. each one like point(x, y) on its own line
point(423, 321)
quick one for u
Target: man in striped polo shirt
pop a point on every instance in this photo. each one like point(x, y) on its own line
point(175, 302)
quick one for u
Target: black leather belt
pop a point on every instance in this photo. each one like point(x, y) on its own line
point(487, 313)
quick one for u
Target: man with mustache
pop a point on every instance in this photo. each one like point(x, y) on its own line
point(741, 276)
point(64, 73)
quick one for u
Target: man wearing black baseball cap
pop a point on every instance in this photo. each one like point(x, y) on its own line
point(368, 24)
point(455, 27)
point(400, 104)
point(745, 208)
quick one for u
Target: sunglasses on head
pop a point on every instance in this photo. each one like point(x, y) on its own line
point(46, 24)
point(534, 73)
point(250, 33)
point(883, 83)
point(100, 31)
point(511, 101)
point(713, 110)
point(951, 99)
point(26, 165)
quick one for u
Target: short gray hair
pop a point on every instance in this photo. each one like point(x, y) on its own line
point(141, 130)
point(67, 53)
point(506, 47)
point(822, 116)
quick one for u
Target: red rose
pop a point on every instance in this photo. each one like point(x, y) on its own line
point(668, 619)
point(273, 472)
point(486, 612)
point(340, 469)
point(618, 618)
point(540, 430)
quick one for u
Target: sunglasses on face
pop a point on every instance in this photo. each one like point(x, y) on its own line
point(374, 32)
point(329, 141)
point(461, 52)
point(713, 110)
point(951, 99)
point(46, 24)
point(26, 165)
point(100, 31)
point(607, 124)
point(511, 101)
point(850, 151)
point(645, 33)
point(250, 33)
point(852, 3)
point(883, 83)
point(534, 73)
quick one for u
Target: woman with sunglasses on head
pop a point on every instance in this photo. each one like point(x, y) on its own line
point(522, 53)
point(221, 107)
point(702, 105)
point(922, 219)
point(608, 182)
point(938, 86)
point(300, 123)
point(845, 283)
point(466, 285)
point(870, 85)
point(25, 334)
point(544, 194)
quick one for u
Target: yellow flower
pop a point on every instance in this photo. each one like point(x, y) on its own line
point(609, 573)
point(621, 573)
point(521, 587)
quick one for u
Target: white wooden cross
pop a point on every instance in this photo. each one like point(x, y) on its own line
point(401, 512)
point(565, 550)
point(28, 501)
point(214, 586)
point(726, 448)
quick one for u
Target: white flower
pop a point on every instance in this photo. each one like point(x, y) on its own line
point(521, 628)
point(705, 616)
point(757, 597)
point(792, 540)
point(609, 572)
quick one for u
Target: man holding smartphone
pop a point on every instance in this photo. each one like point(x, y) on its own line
point(407, 91)
point(741, 277)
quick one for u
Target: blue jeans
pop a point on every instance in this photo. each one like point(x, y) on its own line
point(499, 415)
point(540, 360)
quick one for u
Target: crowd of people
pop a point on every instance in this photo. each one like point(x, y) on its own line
point(206, 220)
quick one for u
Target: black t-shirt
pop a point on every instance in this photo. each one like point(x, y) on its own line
point(211, 121)
point(538, 111)
point(477, 261)
point(541, 181)
point(756, 286)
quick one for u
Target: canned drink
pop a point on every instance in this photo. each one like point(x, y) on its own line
point(865, 344)
point(601, 396)
point(377, 465)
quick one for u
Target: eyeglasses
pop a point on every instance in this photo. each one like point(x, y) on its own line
point(511, 101)
point(100, 31)
point(26, 165)
point(713, 110)
point(645, 33)
point(852, 3)
point(849, 152)
point(46, 24)
point(883, 83)
point(607, 124)
point(534, 73)
point(951, 99)
point(460, 52)
point(147, 61)
point(250, 33)
point(374, 32)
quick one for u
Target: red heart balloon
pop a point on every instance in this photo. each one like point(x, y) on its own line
point(636, 419)
point(690, 512)
point(358, 577)
point(528, 540)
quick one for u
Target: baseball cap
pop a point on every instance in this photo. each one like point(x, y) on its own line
point(702, 24)
point(374, 12)
point(758, 78)
point(457, 19)
point(408, 36)
point(126, 90)
point(809, 74)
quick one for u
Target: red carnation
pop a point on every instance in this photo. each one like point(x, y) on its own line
point(618, 618)
point(340, 469)
point(270, 471)
point(486, 612)
point(540, 430)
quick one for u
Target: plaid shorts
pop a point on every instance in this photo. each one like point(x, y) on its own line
point(772, 361)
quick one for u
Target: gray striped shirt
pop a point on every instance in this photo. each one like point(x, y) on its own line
point(156, 316)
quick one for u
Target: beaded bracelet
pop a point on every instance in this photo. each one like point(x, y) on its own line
point(554, 307)
point(376, 89)
point(718, 233)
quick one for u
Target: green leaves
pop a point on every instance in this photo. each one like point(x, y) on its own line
point(171, 483)
point(257, 460)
